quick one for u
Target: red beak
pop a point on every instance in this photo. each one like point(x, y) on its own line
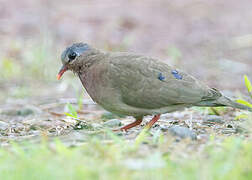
point(61, 72)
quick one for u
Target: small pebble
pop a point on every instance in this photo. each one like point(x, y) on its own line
point(229, 126)
point(211, 119)
point(228, 131)
point(81, 125)
point(164, 127)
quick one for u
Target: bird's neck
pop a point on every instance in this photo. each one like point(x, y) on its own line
point(94, 57)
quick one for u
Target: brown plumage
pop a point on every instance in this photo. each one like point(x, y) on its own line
point(135, 85)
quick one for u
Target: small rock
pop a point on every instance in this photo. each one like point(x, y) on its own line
point(228, 131)
point(212, 119)
point(96, 125)
point(164, 127)
point(183, 132)
point(112, 123)
point(3, 126)
point(81, 125)
point(229, 126)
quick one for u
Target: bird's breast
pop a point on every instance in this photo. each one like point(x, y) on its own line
point(96, 84)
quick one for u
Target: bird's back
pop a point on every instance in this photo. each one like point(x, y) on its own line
point(149, 83)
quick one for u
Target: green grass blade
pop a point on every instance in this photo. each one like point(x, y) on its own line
point(246, 103)
point(248, 85)
point(72, 110)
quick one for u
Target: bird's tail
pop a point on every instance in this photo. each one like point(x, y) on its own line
point(216, 99)
point(223, 100)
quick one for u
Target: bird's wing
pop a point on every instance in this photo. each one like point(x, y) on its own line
point(148, 83)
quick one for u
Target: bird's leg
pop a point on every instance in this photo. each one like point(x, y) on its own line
point(131, 125)
point(154, 119)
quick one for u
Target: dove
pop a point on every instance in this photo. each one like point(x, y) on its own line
point(136, 85)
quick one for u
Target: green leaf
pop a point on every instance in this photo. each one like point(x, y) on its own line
point(246, 103)
point(248, 84)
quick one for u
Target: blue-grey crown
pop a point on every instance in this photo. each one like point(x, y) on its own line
point(78, 48)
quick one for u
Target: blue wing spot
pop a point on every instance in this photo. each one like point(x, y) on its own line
point(161, 77)
point(176, 74)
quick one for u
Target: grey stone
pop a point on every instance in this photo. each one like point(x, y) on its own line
point(3, 126)
point(112, 123)
point(182, 132)
point(96, 125)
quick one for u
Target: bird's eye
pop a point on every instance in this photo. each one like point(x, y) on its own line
point(72, 55)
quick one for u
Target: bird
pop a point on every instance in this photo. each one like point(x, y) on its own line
point(136, 85)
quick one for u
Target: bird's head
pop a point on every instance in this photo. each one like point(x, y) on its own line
point(73, 57)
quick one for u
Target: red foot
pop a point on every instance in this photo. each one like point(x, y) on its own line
point(137, 122)
point(153, 121)
point(131, 125)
